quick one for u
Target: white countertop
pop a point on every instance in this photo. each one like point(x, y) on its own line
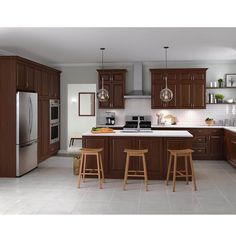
point(231, 128)
point(155, 133)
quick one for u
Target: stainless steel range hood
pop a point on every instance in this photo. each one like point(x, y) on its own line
point(138, 92)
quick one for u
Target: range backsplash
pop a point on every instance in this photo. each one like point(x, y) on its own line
point(184, 116)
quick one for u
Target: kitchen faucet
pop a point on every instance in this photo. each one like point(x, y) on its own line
point(138, 127)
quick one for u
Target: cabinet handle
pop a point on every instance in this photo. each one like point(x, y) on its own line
point(233, 142)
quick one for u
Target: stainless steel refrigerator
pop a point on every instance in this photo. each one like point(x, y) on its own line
point(26, 132)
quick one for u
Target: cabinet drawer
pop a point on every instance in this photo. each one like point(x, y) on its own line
point(54, 147)
point(199, 139)
point(199, 145)
point(215, 131)
point(199, 151)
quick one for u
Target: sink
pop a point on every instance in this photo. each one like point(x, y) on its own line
point(136, 131)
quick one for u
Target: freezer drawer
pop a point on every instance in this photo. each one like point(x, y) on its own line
point(26, 158)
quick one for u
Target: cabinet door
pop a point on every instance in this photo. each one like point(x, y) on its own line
point(43, 129)
point(185, 89)
point(157, 85)
point(38, 81)
point(30, 80)
point(20, 76)
point(233, 149)
point(117, 76)
point(154, 157)
point(118, 95)
point(172, 83)
point(198, 91)
point(56, 85)
point(118, 157)
point(216, 147)
point(45, 84)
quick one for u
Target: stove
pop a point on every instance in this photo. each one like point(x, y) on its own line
point(138, 123)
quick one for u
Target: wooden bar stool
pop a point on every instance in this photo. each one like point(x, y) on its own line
point(135, 173)
point(83, 171)
point(187, 155)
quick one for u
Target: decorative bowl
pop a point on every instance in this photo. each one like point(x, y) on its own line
point(210, 122)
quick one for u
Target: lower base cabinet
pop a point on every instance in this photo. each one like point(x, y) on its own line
point(45, 149)
point(230, 144)
point(114, 157)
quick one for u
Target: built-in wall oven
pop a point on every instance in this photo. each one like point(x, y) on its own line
point(54, 132)
point(54, 120)
point(54, 111)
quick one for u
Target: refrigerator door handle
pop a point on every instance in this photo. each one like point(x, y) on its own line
point(30, 115)
point(28, 144)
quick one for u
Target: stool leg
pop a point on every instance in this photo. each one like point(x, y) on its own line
point(84, 167)
point(80, 170)
point(186, 168)
point(100, 158)
point(193, 174)
point(145, 172)
point(168, 171)
point(70, 143)
point(126, 171)
point(174, 174)
point(99, 171)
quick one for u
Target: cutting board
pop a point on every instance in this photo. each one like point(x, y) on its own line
point(102, 132)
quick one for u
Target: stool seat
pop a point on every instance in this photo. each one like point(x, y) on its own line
point(91, 150)
point(187, 155)
point(180, 152)
point(136, 151)
point(140, 153)
point(83, 171)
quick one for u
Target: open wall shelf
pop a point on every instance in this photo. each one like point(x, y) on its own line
point(220, 87)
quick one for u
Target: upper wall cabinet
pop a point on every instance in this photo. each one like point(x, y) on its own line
point(114, 83)
point(25, 77)
point(188, 87)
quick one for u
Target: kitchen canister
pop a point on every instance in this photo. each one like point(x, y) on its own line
point(211, 98)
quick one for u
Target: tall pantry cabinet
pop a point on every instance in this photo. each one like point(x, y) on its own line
point(19, 74)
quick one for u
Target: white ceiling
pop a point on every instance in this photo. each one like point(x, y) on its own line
point(81, 45)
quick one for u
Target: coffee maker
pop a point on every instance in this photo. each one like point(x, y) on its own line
point(110, 118)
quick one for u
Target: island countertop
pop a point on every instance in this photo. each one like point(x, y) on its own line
point(154, 133)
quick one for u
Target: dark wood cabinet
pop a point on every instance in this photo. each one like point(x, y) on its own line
point(230, 144)
point(43, 129)
point(154, 158)
point(114, 83)
point(115, 158)
point(187, 85)
point(158, 83)
point(20, 74)
point(97, 142)
point(207, 143)
point(25, 80)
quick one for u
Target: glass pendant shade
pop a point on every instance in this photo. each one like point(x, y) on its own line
point(102, 94)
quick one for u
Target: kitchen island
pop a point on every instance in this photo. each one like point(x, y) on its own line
point(157, 143)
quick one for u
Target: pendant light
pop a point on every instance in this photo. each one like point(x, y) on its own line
point(102, 94)
point(166, 95)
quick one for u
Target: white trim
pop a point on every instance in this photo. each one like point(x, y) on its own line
point(146, 63)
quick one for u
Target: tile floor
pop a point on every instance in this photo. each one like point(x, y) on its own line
point(51, 189)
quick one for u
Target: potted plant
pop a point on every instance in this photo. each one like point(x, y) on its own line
point(209, 121)
point(220, 82)
point(219, 98)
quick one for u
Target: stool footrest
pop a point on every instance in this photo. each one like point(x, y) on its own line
point(135, 175)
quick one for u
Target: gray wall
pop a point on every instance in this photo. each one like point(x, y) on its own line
point(87, 74)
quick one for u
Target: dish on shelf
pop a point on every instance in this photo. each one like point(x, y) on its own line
point(231, 100)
